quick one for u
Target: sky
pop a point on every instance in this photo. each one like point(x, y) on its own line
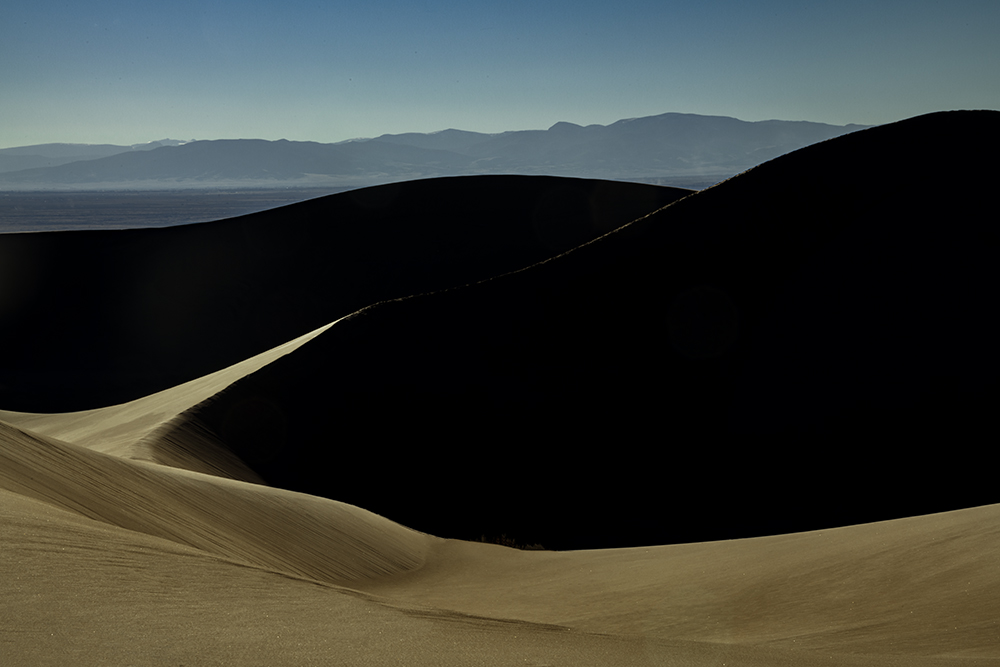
point(132, 71)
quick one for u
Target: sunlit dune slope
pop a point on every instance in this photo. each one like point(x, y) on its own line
point(103, 317)
point(780, 343)
point(248, 524)
point(920, 586)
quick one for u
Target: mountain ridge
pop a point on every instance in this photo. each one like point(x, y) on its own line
point(670, 145)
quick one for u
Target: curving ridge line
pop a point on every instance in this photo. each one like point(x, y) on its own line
point(273, 529)
point(120, 430)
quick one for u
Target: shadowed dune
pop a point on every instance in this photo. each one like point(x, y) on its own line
point(102, 317)
point(786, 315)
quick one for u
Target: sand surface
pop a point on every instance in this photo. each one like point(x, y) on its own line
point(138, 534)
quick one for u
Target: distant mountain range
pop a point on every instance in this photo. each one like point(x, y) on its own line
point(41, 156)
point(682, 149)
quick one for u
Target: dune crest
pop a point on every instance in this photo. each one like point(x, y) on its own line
point(128, 430)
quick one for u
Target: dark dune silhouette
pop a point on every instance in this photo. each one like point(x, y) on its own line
point(783, 342)
point(101, 317)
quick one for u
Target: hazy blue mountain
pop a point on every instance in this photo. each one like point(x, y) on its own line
point(655, 145)
point(458, 141)
point(664, 147)
point(244, 161)
point(53, 155)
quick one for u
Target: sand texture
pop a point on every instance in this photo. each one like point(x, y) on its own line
point(745, 425)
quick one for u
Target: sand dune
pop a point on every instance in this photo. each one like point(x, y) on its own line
point(602, 396)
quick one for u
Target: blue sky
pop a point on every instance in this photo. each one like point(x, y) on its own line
point(133, 71)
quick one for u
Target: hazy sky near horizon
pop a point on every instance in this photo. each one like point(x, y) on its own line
point(126, 72)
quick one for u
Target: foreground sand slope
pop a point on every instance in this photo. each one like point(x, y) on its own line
point(920, 586)
point(254, 525)
point(111, 560)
